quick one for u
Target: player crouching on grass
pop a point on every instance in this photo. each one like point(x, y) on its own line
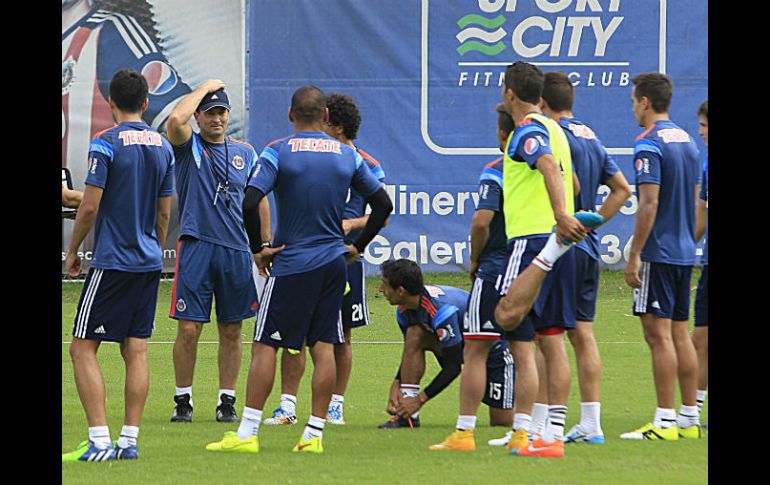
point(429, 318)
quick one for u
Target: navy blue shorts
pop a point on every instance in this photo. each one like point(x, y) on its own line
point(355, 312)
point(479, 321)
point(665, 291)
point(303, 307)
point(205, 271)
point(702, 299)
point(587, 281)
point(116, 304)
point(555, 306)
point(501, 377)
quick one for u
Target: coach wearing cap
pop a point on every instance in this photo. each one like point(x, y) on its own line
point(213, 256)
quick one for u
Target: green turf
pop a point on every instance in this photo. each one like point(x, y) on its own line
point(358, 452)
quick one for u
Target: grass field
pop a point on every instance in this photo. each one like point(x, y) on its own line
point(359, 452)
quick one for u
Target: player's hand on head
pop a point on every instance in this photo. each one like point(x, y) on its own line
point(352, 255)
point(213, 85)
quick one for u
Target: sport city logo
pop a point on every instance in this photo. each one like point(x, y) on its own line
point(468, 45)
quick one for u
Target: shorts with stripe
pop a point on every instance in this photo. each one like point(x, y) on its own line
point(555, 305)
point(702, 299)
point(205, 271)
point(587, 281)
point(355, 312)
point(501, 377)
point(665, 291)
point(115, 305)
point(303, 306)
point(479, 321)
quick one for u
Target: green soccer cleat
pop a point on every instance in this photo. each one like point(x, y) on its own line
point(231, 443)
point(87, 451)
point(650, 432)
point(313, 445)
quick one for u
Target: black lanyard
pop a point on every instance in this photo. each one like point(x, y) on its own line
point(226, 186)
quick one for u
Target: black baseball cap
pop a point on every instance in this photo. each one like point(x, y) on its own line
point(211, 100)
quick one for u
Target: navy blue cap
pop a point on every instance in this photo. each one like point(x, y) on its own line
point(211, 100)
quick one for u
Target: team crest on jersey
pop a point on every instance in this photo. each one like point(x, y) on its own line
point(67, 74)
point(531, 146)
point(238, 162)
point(181, 305)
point(442, 334)
point(161, 78)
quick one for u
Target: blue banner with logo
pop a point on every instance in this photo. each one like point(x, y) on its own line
point(427, 74)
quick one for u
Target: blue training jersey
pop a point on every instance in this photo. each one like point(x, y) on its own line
point(310, 173)
point(134, 166)
point(666, 155)
point(593, 167)
point(356, 204)
point(201, 168)
point(704, 195)
point(440, 313)
point(492, 259)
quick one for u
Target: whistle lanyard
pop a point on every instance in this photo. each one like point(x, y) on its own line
point(226, 186)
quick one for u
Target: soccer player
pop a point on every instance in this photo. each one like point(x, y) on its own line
point(480, 331)
point(344, 121)
point(429, 319)
point(700, 336)
point(213, 258)
point(310, 173)
point(127, 199)
point(662, 255)
point(538, 286)
point(593, 167)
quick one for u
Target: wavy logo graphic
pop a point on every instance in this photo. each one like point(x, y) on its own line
point(491, 44)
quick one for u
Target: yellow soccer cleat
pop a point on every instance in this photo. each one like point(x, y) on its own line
point(231, 443)
point(650, 432)
point(518, 440)
point(460, 440)
point(313, 445)
point(691, 432)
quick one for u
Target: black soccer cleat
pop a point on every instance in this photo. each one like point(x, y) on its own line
point(399, 422)
point(182, 410)
point(226, 410)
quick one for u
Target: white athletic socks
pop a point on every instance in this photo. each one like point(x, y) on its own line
point(664, 418)
point(590, 420)
point(550, 253)
point(128, 436)
point(314, 428)
point(700, 398)
point(688, 416)
point(554, 429)
point(289, 404)
point(100, 435)
point(539, 415)
point(411, 390)
point(249, 423)
point(466, 422)
point(523, 421)
point(227, 392)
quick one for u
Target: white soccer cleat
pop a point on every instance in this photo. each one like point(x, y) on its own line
point(577, 435)
point(501, 441)
point(279, 417)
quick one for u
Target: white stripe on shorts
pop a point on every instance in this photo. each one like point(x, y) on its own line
point(340, 331)
point(259, 327)
point(88, 300)
point(641, 301)
point(512, 270)
point(363, 293)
